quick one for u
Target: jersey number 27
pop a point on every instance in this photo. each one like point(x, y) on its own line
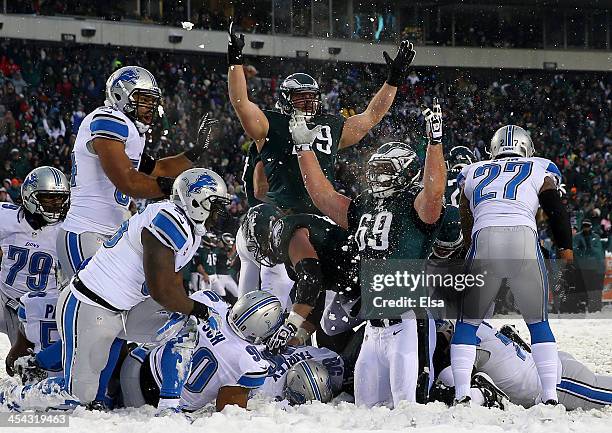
point(492, 171)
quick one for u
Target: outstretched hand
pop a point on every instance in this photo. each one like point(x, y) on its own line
point(433, 122)
point(398, 67)
point(300, 133)
point(234, 46)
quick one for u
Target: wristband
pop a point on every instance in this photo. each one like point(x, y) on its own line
point(302, 147)
point(295, 319)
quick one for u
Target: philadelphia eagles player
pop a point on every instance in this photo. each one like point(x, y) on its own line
point(397, 218)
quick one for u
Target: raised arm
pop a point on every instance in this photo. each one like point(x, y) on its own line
point(321, 191)
point(253, 120)
point(430, 200)
point(356, 127)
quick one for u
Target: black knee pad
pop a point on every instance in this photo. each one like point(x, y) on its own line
point(309, 282)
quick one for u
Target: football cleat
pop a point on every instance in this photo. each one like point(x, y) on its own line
point(29, 370)
point(493, 396)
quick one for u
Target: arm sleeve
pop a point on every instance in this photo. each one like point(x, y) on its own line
point(559, 218)
point(147, 163)
point(107, 126)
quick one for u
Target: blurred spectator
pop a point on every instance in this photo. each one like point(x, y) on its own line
point(589, 259)
point(4, 197)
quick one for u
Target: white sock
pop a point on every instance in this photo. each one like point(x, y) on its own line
point(462, 362)
point(165, 403)
point(477, 397)
point(546, 358)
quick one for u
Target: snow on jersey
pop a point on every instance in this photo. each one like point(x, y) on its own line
point(29, 256)
point(95, 203)
point(218, 360)
point(504, 192)
point(37, 314)
point(280, 364)
point(511, 368)
point(116, 271)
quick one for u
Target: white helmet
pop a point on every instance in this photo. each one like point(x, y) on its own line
point(200, 193)
point(511, 140)
point(122, 87)
point(255, 316)
point(46, 192)
point(308, 380)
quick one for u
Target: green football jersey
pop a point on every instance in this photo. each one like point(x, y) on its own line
point(247, 175)
point(451, 194)
point(207, 258)
point(390, 228)
point(222, 267)
point(286, 188)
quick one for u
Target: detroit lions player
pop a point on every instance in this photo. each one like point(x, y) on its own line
point(110, 165)
point(105, 303)
point(498, 203)
point(225, 365)
point(27, 238)
point(285, 362)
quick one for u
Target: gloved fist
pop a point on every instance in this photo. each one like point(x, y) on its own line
point(282, 336)
point(205, 130)
point(398, 67)
point(433, 122)
point(234, 46)
point(302, 136)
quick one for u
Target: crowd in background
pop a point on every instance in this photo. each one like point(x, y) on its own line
point(46, 91)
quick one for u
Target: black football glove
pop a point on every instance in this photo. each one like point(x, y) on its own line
point(234, 46)
point(165, 185)
point(398, 67)
point(205, 130)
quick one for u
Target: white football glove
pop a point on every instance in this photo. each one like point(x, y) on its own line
point(433, 122)
point(286, 331)
point(302, 136)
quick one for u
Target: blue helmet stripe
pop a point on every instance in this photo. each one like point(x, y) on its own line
point(248, 313)
point(312, 380)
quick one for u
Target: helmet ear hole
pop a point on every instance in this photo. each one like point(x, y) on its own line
point(195, 203)
point(117, 96)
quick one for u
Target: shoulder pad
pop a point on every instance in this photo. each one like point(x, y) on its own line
point(109, 123)
point(170, 228)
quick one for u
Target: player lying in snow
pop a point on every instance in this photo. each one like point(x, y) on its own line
point(226, 365)
point(506, 359)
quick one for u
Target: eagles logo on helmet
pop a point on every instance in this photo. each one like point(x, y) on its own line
point(392, 168)
point(299, 93)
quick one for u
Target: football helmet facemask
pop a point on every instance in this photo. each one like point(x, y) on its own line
point(394, 167)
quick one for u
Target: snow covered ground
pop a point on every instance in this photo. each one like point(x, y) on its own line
point(589, 340)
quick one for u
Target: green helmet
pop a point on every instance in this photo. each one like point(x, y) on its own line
point(450, 237)
point(256, 228)
point(458, 157)
point(394, 167)
point(299, 83)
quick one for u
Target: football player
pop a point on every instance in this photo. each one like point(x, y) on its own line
point(253, 246)
point(105, 303)
point(225, 366)
point(27, 237)
point(507, 360)
point(456, 159)
point(110, 165)
point(205, 263)
point(396, 218)
point(498, 204)
point(224, 284)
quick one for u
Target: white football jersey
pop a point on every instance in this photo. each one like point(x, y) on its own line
point(218, 360)
point(95, 203)
point(504, 192)
point(116, 271)
point(511, 368)
point(37, 314)
point(29, 257)
point(291, 355)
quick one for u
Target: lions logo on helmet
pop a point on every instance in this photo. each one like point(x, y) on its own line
point(200, 193)
point(204, 181)
point(308, 381)
point(394, 167)
point(134, 91)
